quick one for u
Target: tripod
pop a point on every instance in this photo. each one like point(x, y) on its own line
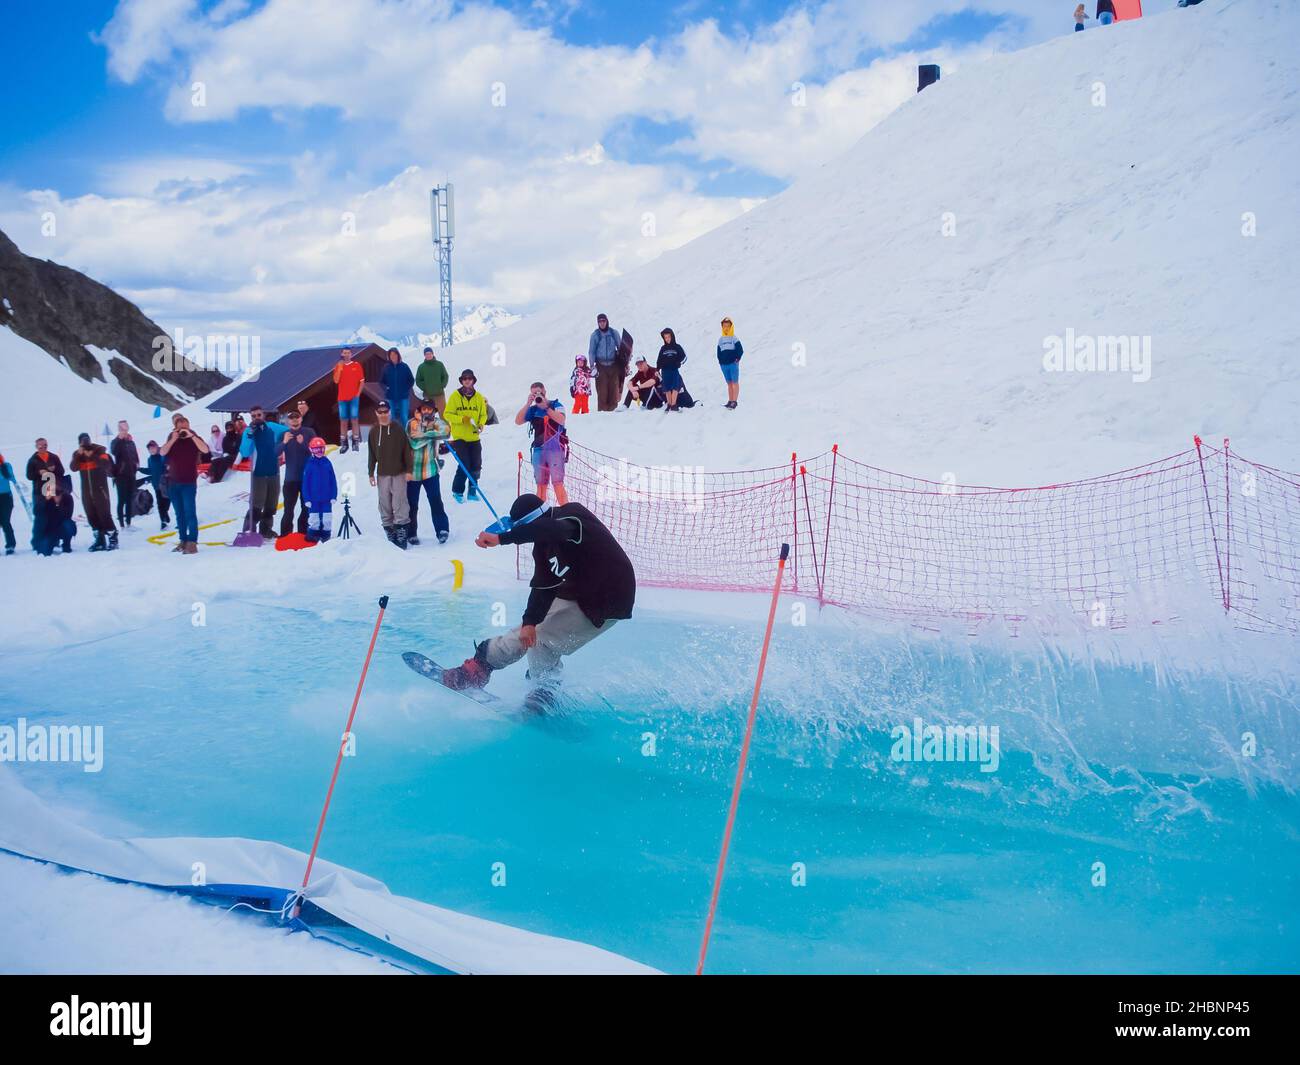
point(349, 522)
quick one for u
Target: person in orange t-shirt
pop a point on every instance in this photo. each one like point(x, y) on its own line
point(349, 376)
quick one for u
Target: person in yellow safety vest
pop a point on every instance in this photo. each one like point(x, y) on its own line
point(466, 415)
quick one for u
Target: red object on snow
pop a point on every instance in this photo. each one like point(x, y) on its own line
point(1127, 9)
point(295, 541)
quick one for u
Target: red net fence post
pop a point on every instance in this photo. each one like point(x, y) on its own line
point(1146, 544)
point(1209, 513)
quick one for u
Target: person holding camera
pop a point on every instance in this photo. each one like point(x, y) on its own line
point(184, 450)
point(545, 420)
point(427, 433)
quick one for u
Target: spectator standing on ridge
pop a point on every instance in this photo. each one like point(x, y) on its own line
point(319, 490)
point(431, 379)
point(671, 357)
point(580, 385)
point(398, 381)
point(44, 470)
point(261, 443)
point(295, 449)
point(156, 471)
point(8, 486)
point(602, 357)
point(730, 351)
point(1105, 12)
point(183, 449)
point(389, 462)
point(545, 420)
point(1080, 13)
point(126, 466)
point(426, 432)
point(466, 415)
point(642, 385)
point(95, 465)
point(349, 377)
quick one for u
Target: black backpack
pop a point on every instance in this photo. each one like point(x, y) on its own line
point(143, 502)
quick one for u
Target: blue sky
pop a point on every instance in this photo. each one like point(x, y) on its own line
point(617, 111)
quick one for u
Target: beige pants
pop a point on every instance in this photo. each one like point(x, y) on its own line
point(564, 630)
point(393, 508)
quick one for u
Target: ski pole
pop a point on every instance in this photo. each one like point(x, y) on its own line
point(338, 761)
point(740, 769)
point(473, 483)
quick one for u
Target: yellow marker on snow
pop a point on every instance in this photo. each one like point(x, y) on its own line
point(458, 567)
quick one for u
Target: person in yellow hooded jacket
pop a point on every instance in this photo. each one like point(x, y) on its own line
point(730, 351)
point(466, 415)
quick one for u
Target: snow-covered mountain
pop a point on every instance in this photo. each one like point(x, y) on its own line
point(1133, 181)
point(477, 322)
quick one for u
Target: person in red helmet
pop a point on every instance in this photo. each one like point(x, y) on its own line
point(583, 583)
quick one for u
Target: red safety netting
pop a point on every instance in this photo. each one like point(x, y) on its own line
point(1203, 522)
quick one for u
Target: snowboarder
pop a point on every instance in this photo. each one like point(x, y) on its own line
point(389, 461)
point(431, 379)
point(466, 415)
point(545, 420)
point(427, 433)
point(580, 385)
point(730, 351)
point(183, 449)
point(603, 358)
point(126, 465)
point(319, 490)
point(350, 378)
point(583, 583)
point(671, 357)
point(398, 381)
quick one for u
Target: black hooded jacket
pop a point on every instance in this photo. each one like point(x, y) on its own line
point(575, 557)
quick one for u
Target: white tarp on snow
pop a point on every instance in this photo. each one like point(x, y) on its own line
point(455, 941)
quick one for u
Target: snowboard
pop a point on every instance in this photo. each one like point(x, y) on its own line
point(430, 670)
point(624, 354)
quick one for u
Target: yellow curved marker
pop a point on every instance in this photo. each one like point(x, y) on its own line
point(459, 567)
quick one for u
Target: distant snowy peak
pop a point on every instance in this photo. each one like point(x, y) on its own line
point(481, 320)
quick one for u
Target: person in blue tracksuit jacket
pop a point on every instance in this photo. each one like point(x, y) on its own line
point(262, 442)
point(398, 381)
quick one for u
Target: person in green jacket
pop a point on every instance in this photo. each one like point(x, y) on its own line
point(431, 379)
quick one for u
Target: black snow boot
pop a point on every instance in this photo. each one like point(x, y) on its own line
point(112, 540)
point(399, 534)
point(99, 544)
point(474, 672)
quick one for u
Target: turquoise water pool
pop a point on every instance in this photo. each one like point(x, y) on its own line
point(604, 825)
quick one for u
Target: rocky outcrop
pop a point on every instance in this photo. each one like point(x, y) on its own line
point(64, 312)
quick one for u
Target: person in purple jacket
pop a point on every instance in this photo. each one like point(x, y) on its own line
point(319, 490)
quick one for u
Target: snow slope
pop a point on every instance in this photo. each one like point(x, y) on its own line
point(925, 351)
point(47, 399)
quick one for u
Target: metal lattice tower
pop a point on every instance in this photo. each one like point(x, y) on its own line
point(442, 212)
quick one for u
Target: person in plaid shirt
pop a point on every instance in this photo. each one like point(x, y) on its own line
point(427, 432)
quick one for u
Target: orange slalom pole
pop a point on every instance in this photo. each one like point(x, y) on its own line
point(338, 761)
point(740, 769)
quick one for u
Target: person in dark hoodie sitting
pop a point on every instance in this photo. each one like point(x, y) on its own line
point(95, 465)
point(583, 583)
point(669, 365)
